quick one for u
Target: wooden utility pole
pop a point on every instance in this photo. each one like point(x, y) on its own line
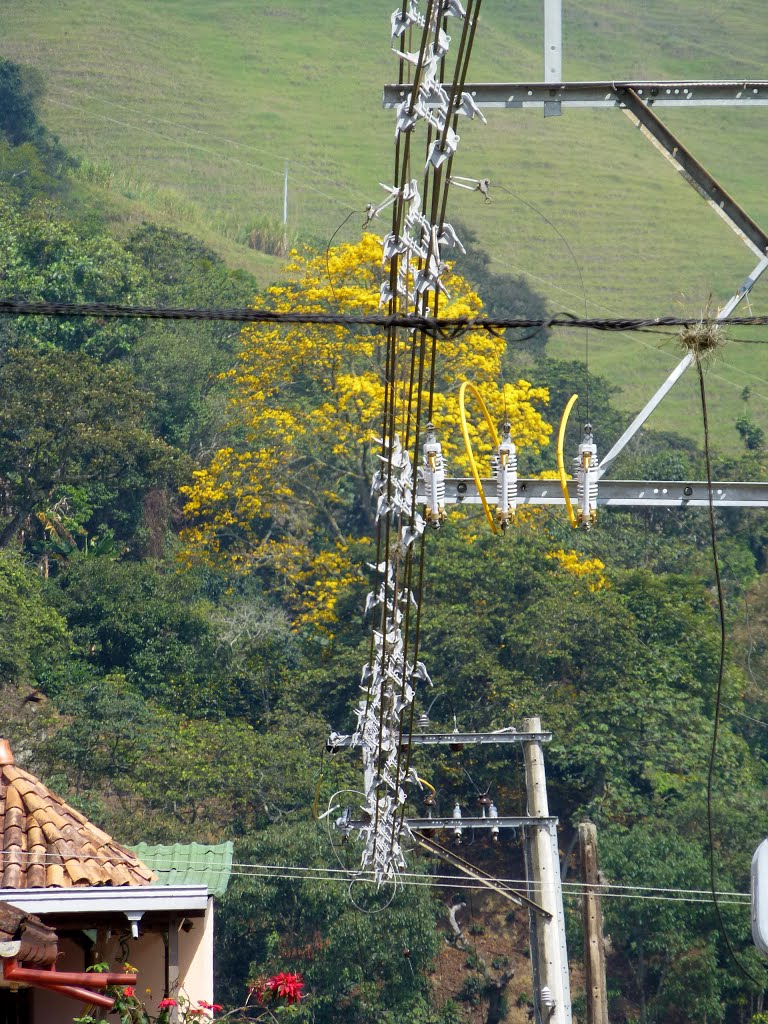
point(594, 943)
point(552, 990)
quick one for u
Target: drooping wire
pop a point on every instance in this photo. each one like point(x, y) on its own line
point(714, 895)
point(328, 252)
point(720, 682)
point(437, 204)
point(577, 265)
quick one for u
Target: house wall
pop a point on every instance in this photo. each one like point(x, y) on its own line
point(51, 1008)
point(196, 958)
point(148, 955)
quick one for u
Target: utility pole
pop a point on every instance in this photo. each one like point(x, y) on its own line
point(594, 943)
point(550, 959)
point(543, 895)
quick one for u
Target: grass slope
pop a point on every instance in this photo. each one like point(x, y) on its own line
point(187, 110)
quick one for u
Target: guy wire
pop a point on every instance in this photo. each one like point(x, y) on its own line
point(720, 681)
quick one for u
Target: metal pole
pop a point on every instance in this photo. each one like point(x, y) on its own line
point(553, 51)
point(594, 943)
point(285, 211)
point(552, 996)
point(680, 369)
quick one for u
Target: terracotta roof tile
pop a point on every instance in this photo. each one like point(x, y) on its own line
point(46, 843)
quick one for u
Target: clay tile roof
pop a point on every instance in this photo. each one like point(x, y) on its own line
point(45, 843)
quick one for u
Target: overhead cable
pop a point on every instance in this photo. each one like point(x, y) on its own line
point(445, 325)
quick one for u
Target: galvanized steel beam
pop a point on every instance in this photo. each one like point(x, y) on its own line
point(637, 109)
point(522, 95)
point(423, 739)
point(616, 493)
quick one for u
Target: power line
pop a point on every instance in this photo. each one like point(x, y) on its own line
point(201, 131)
point(192, 145)
point(316, 872)
point(446, 326)
point(734, 899)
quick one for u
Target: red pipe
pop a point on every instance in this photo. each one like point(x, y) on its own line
point(82, 995)
point(88, 979)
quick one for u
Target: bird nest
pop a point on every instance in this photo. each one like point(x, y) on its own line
point(702, 338)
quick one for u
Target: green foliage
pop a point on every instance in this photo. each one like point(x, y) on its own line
point(67, 421)
point(150, 623)
point(33, 636)
point(353, 960)
point(751, 434)
point(179, 364)
point(148, 774)
point(136, 619)
point(45, 257)
point(675, 953)
point(21, 90)
point(183, 706)
point(23, 175)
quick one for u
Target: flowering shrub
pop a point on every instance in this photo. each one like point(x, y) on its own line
point(131, 1010)
point(269, 994)
point(285, 985)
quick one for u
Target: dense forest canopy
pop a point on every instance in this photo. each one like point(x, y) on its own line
point(184, 530)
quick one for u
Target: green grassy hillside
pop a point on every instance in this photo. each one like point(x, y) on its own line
point(187, 111)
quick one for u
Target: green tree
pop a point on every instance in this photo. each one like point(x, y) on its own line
point(33, 636)
point(45, 257)
point(68, 422)
point(673, 949)
point(180, 363)
point(359, 966)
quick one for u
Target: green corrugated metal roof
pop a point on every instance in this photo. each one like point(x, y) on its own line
point(189, 864)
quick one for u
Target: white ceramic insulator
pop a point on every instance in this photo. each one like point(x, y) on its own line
point(434, 480)
point(585, 467)
point(457, 818)
point(504, 467)
point(493, 813)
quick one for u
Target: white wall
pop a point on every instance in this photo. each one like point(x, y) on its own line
point(148, 954)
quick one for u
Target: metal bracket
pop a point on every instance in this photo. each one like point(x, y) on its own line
point(478, 875)
point(744, 290)
point(694, 173)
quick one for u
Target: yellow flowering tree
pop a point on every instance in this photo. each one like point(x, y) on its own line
point(307, 406)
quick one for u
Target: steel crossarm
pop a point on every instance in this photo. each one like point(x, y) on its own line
point(337, 742)
point(522, 95)
point(616, 494)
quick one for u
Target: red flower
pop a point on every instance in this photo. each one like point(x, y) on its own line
point(213, 1007)
point(165, 1003)
point(287, 986)
point(258, 989)
point(128, 992)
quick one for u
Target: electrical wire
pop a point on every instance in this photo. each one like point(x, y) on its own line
point(737, 899)
point(561, 463)
point(468, 444)
point(446, 327)
point(714, 895)
point(576, 263)
point(720, 681)
point(196, 131)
